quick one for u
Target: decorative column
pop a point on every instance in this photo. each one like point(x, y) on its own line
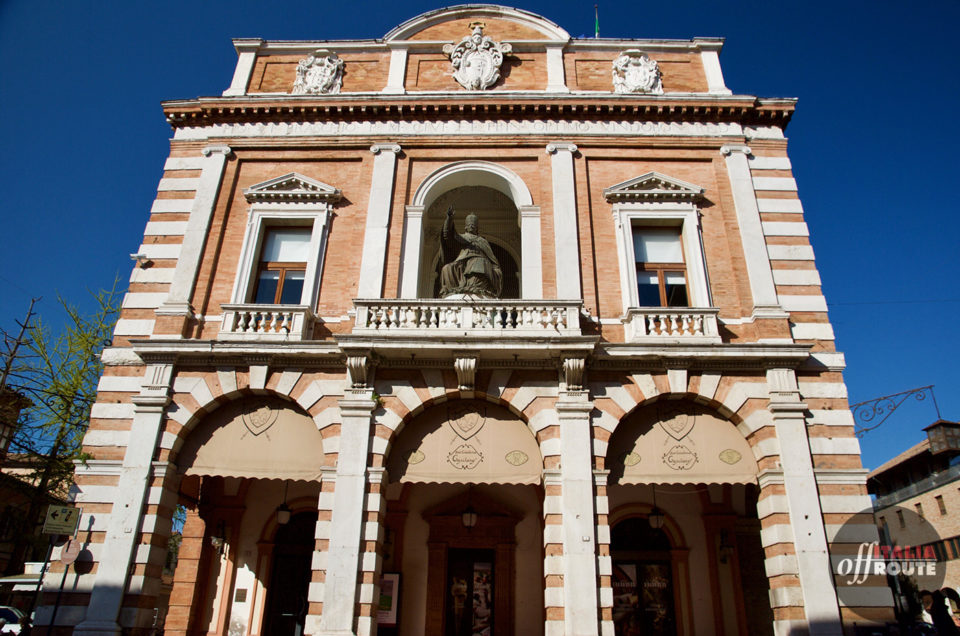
point(173, 314)
point(246, 57)
point(343, 561)
point(821, 609)
point(378, 220)
point(124, 525)
point(410, 265)
point(531, 274)
point(565, 220)
point(371, 558)
point(577, 503)
point(765, 301)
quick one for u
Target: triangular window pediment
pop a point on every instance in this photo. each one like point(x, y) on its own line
point(292, 187)
point(653, 186)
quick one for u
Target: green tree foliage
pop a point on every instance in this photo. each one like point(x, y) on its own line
point(57, 371)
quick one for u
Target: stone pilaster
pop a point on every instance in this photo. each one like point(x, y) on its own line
point(378, 220)
point(565, 220)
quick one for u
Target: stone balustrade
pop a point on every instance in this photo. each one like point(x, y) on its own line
point(659, 324)
point(266, 322)
point(468, 317)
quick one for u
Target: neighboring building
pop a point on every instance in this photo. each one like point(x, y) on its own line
point(924, 480)
point(647, 430)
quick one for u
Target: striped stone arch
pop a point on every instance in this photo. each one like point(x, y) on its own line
point(195, 396)
point(743, 403)
point(408, 404)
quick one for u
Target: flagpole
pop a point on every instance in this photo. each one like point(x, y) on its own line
point(596, 22)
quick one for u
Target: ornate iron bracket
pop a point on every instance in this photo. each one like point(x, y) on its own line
point(864, 413)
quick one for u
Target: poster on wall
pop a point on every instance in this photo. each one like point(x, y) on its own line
point(482, 599)
point(389, 600)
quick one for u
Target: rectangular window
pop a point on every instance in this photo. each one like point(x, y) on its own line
point(283, 266)
point(661, 269)
point(903, 524)
point(942, 506)
point(919, 508)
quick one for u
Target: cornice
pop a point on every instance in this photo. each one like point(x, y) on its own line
point(478, 105)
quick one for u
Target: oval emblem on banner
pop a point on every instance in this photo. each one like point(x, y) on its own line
point(516, 458)
point(415, 457)
point(730, 456)
point(631, 459)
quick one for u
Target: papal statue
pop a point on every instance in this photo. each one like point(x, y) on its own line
point(470, 267)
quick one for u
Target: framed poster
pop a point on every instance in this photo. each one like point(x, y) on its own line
point(389, 600)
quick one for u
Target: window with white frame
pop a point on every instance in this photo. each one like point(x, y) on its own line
point(658, 242)
point(281, 259)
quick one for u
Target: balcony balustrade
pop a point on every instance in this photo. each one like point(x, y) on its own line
point(669, 324)
point(459, 317)
point(267, 322)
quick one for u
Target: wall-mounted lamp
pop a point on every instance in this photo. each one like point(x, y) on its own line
point(656, 518)
point(469, 516)
point(139, 258)
point(283, 511)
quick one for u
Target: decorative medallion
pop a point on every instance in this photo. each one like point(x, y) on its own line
point(516, 458)
point(635, 72)
point(465, 457)
point(680, 458)
point(415, 457)
point(730, 456)
point(476, 59)
point(466, 420)
point(260, 420)
point(319, 74)
point(631, 459)
point(676, 423)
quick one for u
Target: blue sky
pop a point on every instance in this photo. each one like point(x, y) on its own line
point(873, 145)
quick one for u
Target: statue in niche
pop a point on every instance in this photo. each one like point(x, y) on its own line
point(470, 267)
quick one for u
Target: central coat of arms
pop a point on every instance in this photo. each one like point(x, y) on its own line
point(319, 74)
point(466, 421)
point(260, 420)
point(635, 72)
point(476, 59)
point(676, 423)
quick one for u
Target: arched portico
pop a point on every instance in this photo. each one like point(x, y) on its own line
point(473, 174)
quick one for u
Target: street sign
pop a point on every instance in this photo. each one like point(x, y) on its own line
point(70, 551)
point(61, 520)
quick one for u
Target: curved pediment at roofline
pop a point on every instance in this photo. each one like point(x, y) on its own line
point(451, 23)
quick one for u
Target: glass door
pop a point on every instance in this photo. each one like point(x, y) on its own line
point(470, 592)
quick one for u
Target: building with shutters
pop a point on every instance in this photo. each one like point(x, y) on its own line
point(599, 396)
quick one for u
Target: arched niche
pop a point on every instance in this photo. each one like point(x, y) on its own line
point(466, 442)
point(255, 437)
point(679, 442)
point(507, 218)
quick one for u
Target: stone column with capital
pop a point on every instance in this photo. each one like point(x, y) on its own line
point(374, 252)
point(118, 550)
point(578, 511)
point(766, 304)
point(173, 314)
point(342, 591)
point(566, 235)
point(820, 605)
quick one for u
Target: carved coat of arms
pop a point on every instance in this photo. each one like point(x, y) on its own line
point(476, 59)
point(260, 420)
point(319, 74)
point(635, 72)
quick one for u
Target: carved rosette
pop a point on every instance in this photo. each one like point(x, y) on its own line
point(319, 74)
point(477, 59)
point(635, 72)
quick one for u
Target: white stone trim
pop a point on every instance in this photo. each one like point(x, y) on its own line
point(152, 275)
point(165, 228)
point(98, 437)
point(565, 230)
point(246, 57)
point(143, 300)
point(466, 127)
point(264, 215)
point(779, 184)
point(183, 163)
point(178, 184)
point(112, 411)
point(823, 389)
point(128, 327)
point(834, 446)
point(122, 383)
point(770, 163)
point(407, 29)
point(711, 68)
point(796, 277)
point(778, 228)
point(780, 206)
point(556, 79)
point(803, 303)
point(396, 76)
point(171, 206)
point(531, 267)
point(154, 251)
point(410, 263)
point(839, 417)
point(684, 215)
point(812, 331)
point(790, 252)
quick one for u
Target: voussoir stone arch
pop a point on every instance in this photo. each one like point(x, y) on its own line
point(472, 173)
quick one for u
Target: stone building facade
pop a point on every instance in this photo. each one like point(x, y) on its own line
point(647, 430)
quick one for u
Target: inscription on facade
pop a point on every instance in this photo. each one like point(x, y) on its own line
point(680, 457)
point(465, 457)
